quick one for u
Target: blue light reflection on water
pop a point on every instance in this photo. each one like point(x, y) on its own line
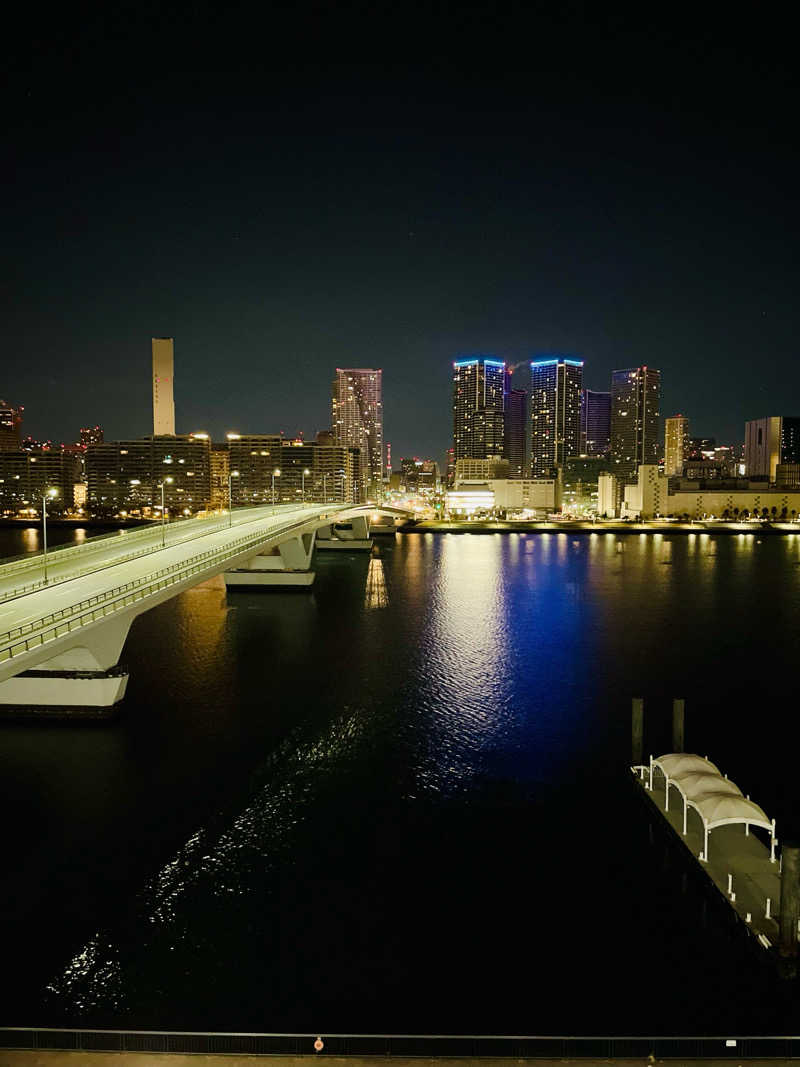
point(426, 752)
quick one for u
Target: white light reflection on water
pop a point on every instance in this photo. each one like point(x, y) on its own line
point(375, 594)
point(467, 678)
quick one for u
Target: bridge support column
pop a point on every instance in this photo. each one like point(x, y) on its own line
point(83, 681)
point(352, 536)
point(288, 566)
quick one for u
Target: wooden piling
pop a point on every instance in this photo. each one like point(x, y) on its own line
point(637, 731)
point(790, 900)
point(678, 709)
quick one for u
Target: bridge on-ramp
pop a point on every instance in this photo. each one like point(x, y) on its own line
point(64, 619)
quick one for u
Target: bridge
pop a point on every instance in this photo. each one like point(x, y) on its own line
point(64, 618)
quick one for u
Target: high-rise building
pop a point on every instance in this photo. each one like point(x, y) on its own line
point(555, 405)
point(91, 435)
point(10, 426)
point(26, 475)
point(676, 445)
point(516, 432)
point(768, 442)
point(129, 474)
point(163, 382)
point(479, 405)
point(595, 423)
point(635, 419)
point(357, 417)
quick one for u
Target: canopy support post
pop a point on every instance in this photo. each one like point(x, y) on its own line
point(684, 816)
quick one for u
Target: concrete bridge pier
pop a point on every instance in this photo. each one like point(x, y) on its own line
point(82, 680)
point(287, 565)
point(353, 536)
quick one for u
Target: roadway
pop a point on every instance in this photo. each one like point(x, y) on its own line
point(103, 573)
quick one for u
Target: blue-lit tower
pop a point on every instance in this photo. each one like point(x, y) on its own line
point(555, 406)
point(480, 388)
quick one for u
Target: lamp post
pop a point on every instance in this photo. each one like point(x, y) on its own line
point(231, 475)
point(275, 474)
point(305, 472)
point(161, 484)
point(48, 493)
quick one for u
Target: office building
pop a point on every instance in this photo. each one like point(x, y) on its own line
point(163, 382)
point(595, 439)
point(580, 477)
point(676, 445)
point(555, 405)
point(357, 417)
point(480, 470)
point(516, 432)
point(419, 474)
point(479, 404)
point(10, 426)
point(769, 442)
point(635, 419)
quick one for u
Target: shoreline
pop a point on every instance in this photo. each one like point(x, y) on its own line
point(730, 529)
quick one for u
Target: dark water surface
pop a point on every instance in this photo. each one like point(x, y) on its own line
point(399, 803)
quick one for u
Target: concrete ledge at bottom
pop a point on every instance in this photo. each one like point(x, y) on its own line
point(68, 694)
point(352, 545)
point(269, 579)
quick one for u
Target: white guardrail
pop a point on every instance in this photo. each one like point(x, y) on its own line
point(35, 561)
point(112, 600)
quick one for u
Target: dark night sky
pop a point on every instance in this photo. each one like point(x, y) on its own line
point(621, 191)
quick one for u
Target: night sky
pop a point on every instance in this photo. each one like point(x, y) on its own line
point(395, 190)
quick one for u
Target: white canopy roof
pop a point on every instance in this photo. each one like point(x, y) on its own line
point(675, 763)
point(719, 809)
point(693, 783)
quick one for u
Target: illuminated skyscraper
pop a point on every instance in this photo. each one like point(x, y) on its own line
point(555, 404)
point(163, 398)
point(595, 423)
point(479, 406)
point(516, 429)
point(676, 444)
point(635, 419)
point(357, 417)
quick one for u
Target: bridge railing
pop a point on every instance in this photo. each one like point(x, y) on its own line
point(34, 634)
point(31, 587)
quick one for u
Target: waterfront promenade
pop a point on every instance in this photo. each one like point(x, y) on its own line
point(617, 526)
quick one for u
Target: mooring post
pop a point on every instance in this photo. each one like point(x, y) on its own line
point(790, 899)
point(637, 731)
point(678, 707)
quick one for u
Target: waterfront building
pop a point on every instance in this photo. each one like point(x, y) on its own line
point(516, 432)
point(635, 419)
point(580, 476)
point(676, 445)
point(529, 497)
point(607, 495)
point(163, 387)
point(127, 475)
point(595, 434)
point(555, 405)
point(768, 442)
point(219, 469)
point(10, 426)
point(655, 495)
point(91, 435)
point(26, 475)
point(480, 470)
point(254, 457)
point(480, 386)
point(357, 417)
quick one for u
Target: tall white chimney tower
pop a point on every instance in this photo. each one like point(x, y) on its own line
point(163, 399)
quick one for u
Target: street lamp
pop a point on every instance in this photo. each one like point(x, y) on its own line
point(48, 493)
point(305, 472)
point(275, 474)
point(161, 484)
point(231, 475)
